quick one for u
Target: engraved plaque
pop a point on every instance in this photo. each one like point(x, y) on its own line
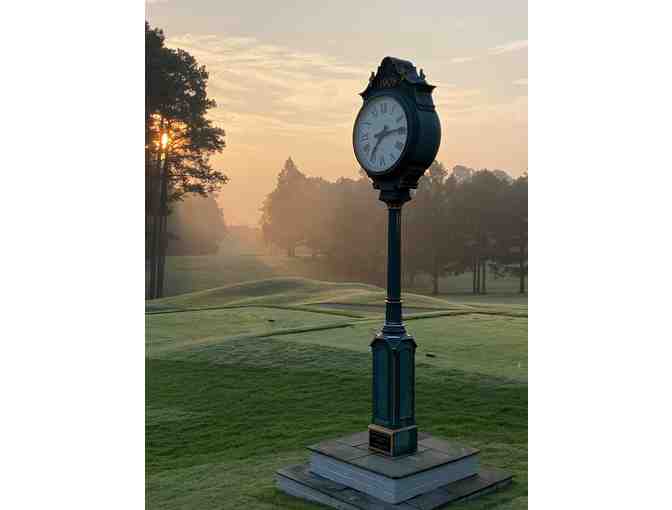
point(380, 441)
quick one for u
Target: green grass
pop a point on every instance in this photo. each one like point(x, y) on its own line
point(235, 393)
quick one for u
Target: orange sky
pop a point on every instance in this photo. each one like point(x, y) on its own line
point(286, 78)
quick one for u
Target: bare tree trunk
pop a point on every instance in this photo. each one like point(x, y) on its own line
point(154, 221)
point(435, 275)
point(522, 270)
point(473, 272)
point(162, 231)
point(485, 268)
point(163, 244)
point(154, 228)
point(149, 183)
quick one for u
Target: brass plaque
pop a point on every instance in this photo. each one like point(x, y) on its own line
point(380, 441)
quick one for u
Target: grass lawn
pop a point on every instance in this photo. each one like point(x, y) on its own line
point(240, 379)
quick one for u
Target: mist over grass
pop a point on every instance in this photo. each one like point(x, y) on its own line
point(242, 258)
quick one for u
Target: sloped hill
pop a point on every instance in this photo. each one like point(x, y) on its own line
point(286, 291)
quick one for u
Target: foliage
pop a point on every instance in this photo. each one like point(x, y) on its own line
point(512, 258)
point(356, 227)
point(431, 241)
point(463, 221)
point(176, 103)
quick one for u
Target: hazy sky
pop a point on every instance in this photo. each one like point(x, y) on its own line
point(286, 77)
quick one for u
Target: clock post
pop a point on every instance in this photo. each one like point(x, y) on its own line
point(396, 137)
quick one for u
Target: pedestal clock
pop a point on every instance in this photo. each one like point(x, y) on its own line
point(395, 138)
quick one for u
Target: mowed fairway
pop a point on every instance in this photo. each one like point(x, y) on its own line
point(240, 379)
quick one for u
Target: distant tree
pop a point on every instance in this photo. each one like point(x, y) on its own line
point(503, 176)
point(320, 200)
point(480, 209)
point(462, 173)
point(179, 141)
point(196, 226)
point(284, 216)
point(428, 234)
point(512, 257)
point(519, 213)
point(357, 227)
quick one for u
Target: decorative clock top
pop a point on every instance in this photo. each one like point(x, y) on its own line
point(397, 133)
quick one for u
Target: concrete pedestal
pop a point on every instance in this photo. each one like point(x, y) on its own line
point(344, 474)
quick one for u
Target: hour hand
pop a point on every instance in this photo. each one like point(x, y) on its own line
point(401, 129)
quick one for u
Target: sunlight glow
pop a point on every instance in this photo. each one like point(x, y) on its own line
point(164, 140)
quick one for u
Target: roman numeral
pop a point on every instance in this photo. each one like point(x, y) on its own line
point(366, 148)
point(381, 161)
point(399, 146)
point(365, 137)
point(400, 118)
point(383, 107)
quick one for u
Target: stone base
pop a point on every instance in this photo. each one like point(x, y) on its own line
point(345, 474)
point(298, 481)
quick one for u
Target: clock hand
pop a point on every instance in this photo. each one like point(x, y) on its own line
point(382, 134)
point(379, 136)
point(398, 130)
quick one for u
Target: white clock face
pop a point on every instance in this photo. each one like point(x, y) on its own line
point(381, 133)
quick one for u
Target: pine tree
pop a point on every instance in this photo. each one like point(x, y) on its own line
point(179, 141)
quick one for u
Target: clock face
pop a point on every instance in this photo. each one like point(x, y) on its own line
point(381, 133)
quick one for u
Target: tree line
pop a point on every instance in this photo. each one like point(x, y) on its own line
point(461, 221)
point(179, 141)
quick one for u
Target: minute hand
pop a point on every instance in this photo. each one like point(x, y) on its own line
point(378, 138)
